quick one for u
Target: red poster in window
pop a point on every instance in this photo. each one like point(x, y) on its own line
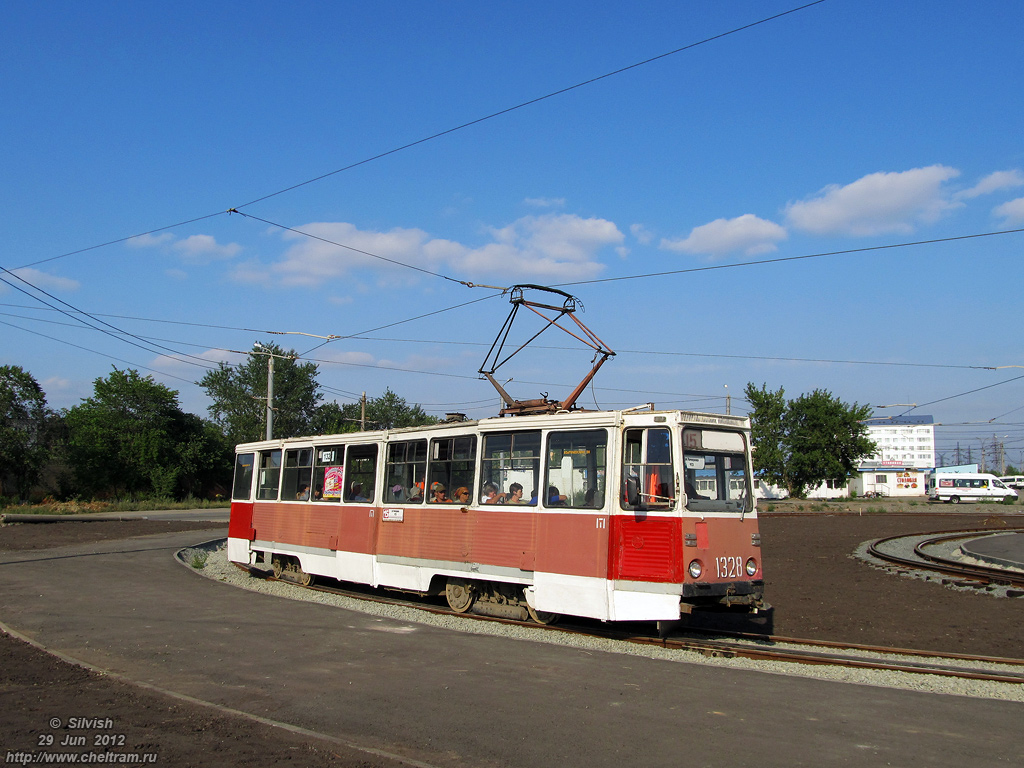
point(333, 482)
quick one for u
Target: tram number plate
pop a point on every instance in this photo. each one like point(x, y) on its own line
point(394, 515)
point(729, 567)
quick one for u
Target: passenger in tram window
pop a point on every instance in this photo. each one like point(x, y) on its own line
point(303, 495)
point(357, 492)
point(491, 495)
point(588, 498)
point(397, 492)
point(437, 494)
point(415, 494)
point(515, 494)
point(555, 498)
point(462, 495)
point(533, 498)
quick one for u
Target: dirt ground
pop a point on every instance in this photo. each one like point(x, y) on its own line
point(816, 588)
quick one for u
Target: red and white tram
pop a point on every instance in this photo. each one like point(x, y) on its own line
point(614, 515)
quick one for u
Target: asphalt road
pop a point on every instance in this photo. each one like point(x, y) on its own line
point(450, 699)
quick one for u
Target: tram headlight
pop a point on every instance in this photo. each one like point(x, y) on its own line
point(751, 566)
point(696, 569)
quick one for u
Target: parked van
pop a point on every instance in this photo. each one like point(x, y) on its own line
point(1013, 481)
point(957, 486)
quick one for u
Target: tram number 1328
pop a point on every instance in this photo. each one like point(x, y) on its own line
point(729, 567)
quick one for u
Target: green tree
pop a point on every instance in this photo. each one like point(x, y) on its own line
point(25, 430)
point(238, 394)
point(805, 442)
point(768, 410)
point(131, 437)
point(389, 411)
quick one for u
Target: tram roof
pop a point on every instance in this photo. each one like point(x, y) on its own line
point(579, 418)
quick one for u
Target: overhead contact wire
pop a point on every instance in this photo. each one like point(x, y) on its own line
point(440, 134)
point(530, 102)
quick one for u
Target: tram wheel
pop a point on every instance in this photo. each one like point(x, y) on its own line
point(278, 566)
point(459, 593)
point(542, 617)
point(304, 579)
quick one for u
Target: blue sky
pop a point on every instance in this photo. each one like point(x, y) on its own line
point(842, 126)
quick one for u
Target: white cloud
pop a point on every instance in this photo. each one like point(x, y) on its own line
point(1012, 211)
point(204, 248)
point(550, 246)
point(177, 366)
point(643, 235)
point(44, 280)
point(876, 204)
point(545, 202)
point(993, 183)
point(195, 249)
point(351, 357)
point(150, 241)
point(746, 234)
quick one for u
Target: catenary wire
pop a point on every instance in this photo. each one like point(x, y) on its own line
point(451, 342)
point(311, 236)
point(440, 134)
point(202, 363)
point(359, 337)
point(96, 352)
point(781, 259)
point(535, 100)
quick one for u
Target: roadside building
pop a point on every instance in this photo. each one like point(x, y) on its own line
point(905, 456)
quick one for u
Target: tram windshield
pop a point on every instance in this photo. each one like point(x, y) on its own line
point(715, 471)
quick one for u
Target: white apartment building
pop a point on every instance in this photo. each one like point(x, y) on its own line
point(906, 453)
point(905, 441)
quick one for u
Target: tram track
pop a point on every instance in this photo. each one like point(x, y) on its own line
point(725, 644)
point(930, 553)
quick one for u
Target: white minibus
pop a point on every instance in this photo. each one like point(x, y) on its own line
point(1013, 481)
point(963, 486)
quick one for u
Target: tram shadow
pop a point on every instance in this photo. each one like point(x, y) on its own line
point(704, 621)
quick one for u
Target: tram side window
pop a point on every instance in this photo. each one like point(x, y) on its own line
point(270, 475)
point(452, 466)
point(511, 463)
point(576, 469)
point(297, 475)
point(328, 473)
point(647, 478)
point(406, 472)
point(241, 490)
point(360, 473)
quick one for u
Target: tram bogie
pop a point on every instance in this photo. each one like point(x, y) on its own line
point(617, 516)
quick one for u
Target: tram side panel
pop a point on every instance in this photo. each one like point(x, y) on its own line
point(240, 531)
point(414, 543)
point(571, 572)
point(329, 539)
point(505, 539)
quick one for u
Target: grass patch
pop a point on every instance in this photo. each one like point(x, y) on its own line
point(80, 507)
point(198, 559)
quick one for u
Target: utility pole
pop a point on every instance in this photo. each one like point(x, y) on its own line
point(270, 382)
point(728, 401)
point(270, 397)
point(362, 414)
